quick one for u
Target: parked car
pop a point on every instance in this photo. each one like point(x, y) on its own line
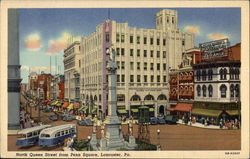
point(171, 119)
point(53, 117)
point(85, 122)
point(69, 117)
point(46, 110)
point(153, 120)
point(161, 120)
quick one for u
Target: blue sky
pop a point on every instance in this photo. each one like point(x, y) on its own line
point(44, 32)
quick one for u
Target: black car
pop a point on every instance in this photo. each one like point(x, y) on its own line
point(161, 120)
point(85, 122)
point(153, 121)
point(69, 117)
point(46, 110)
point(171, 119)
point(53, 117)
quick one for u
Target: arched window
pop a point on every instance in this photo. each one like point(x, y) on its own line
point(223, 91)
point(198, 88)
point(210, 90)
point(204, 90)
point(135, 98)
point(225, 74)
point(149, 97)
point(237, 74)
point(221, 74)
point(237, 90)
point(198, 75)
point(162, 97)
point(232, 90)
point(204, 75)
point(231, 72)
point(210, 74)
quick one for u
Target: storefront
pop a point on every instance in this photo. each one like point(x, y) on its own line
point(181, 109)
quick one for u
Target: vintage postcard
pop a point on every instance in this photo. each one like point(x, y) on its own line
point(124, 79)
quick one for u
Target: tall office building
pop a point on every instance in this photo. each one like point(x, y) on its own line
point(143, 56)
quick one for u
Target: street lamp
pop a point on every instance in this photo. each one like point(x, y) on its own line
point(158, 139)
point(89, 143)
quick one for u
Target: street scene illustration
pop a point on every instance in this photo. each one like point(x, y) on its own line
point(124, 79)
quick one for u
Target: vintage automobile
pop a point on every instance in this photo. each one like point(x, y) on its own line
point(85, 122)
point(53, 117)
point(171, 119)
point(153, 121)
point(68, 117)
point(161, 120)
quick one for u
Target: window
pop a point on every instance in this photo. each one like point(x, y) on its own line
point(62, 133)
point(138, 40)
point(183, 42)
point(210, 74)
point(151, 41)
point(164, 78)
point(145, 40)
point(237, 74)
point(164, 42)
point(204, 90)
point(131, 52)
point(198, 75)
point(138, 52)
point(223, 91)
point(164, 54)
point(231, 72)
point(151, 53)
point(122, 38)
point(131, 39)
point(232, 90)
point(198, 88)
point(158, 41)
point(123, 78)
point(118, 51)
point(221, 74)
point(237, 90)
point(173, 20)
point(145, 53)
point(131, 65)
point(145, 78)
point(138, 66)
point(151, 66)
point(145, 66)
point(117, 37)
point(131, 78)
point(118, 64)
point(210, 91)
point(152, 78)
point(66, 132)
point(118, 78)
point(164, 67)
point(57, 134)
point(123, 64)
point(120, 97)
point(225, 74)
point(158, 54)
point(107, 37)
point(158, 66)
point(158, 78)
point(122, 51)
point(138, 78)
point(204, 75)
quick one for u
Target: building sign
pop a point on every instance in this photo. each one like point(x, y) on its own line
point(214, 49)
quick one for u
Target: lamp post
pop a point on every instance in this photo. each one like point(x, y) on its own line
point(158, 139)
point(89, 143)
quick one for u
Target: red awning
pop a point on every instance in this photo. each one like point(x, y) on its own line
point(182, 107)
point(76, 105)
point(65, 104)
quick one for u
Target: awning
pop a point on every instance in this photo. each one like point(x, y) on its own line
point(65, 104)
point(151, 109)
point(182, 107)
point(83, 108)
point(70, 106)
point(54, 103)
point(94, 110)
point(134, 110)
point(233, 112)
point(206, 112)
point(59, 104)
point(143, 107)
point(122, 111)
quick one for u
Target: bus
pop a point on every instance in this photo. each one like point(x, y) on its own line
point(56, 135)
point(29, 136)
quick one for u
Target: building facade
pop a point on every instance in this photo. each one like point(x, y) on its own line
point(143, 59)
point(217, 85)
point(57, 87)
point(44, 86)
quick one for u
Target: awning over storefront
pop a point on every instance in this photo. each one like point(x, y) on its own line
point(182, 107)
point(233, 112)
point(65, 104)
point(134, 110)
point(206, 112)
point(76, 105)
point(54, 102)
point(151, 109)
point(122, 111)
point(59, 104)
point(94, 110)
point(83, 108)
point(143, 107)
point(70, 106)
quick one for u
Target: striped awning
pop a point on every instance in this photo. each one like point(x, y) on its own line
point(134, 110)
point(65, 104)
point(70, 106)
point(151, 109)
point(206, 112)
point(122, 111)
point(94, 110)
point(54, 103)
point(59, 104)
point(233, 112)
point(83, 108)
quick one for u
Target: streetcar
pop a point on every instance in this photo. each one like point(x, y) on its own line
point(29, 136)
point(56, 135)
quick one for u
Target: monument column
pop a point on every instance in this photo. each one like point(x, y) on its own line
point(14, 79)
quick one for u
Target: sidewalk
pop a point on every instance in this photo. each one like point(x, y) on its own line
point(199, 125)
